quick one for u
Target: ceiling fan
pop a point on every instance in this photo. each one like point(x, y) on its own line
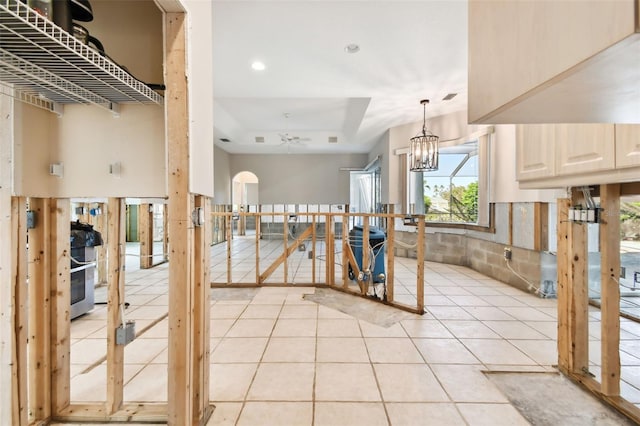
point(289, 140)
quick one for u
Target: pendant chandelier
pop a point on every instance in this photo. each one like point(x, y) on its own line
point(423, 148)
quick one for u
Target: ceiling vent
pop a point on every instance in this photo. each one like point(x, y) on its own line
point(225, 140)
point(333, 139)
point(449, 96)
point(259, 139)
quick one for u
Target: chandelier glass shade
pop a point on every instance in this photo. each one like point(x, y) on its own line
point(423, 148)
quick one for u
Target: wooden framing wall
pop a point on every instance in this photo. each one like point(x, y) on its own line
point(347, 259)
point(573, 321)
point(145, 235)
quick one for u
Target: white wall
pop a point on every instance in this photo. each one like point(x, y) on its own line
point(222, 179)
point(300, 179)
point(87, 139)
point(199, 73)
point(386, 167)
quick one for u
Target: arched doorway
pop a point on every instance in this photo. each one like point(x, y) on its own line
point(244, 197)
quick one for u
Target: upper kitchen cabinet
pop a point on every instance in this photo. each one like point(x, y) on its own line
point(539, 61)
point(627, 145)
point(535, 151)
point(584, 148)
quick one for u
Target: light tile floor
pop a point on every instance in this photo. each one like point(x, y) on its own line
point(278, 359)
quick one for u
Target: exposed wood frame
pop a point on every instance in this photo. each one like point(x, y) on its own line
point(186, 382)
point(19, 243)
point(610, 288)
point(39, 319)
point(100, 225)
point(391, 236)
point(579, 294)
point(564, 284)
point(348, 257)
point(60, 304)
point(145, 235)
point(540, 226)
point(199, 333)
point(115, 303)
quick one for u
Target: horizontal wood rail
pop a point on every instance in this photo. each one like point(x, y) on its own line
point(357, 264)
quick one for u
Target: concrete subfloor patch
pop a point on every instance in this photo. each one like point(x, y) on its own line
point(366, 310)
point(550, 399)
point(234, 293)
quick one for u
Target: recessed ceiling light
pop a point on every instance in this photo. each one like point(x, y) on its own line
point(352, 48)
point(449, 96)
point(225, 140)
point(258, 66)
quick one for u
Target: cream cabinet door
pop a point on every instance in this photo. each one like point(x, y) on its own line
point(535, 152)
point(584, 148)
point(627, 145)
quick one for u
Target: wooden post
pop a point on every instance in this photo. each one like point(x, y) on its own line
point(19, 240)
point(145, 235)
point(186, 382)
point(39, 319)
point(564, 284)
point(60, 304)
point(345, 245)
point(101, 258)
point(313, 248)
point(180, 207)
point(610, 288)
point(364, 243)
point(285, 233)
point(420, 266)
point(329, 246)
point(391, 236)
point(540, 226)
point(115, 302)
point(165, 231)
point(199, 374)
point(579, 306)
point(228, 228)
point(258, 221)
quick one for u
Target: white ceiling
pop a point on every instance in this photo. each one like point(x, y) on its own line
point(409, 50)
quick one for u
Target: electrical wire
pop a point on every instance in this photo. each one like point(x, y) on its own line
point(536, 290)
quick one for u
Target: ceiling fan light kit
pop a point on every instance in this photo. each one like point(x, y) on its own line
point(423, 148)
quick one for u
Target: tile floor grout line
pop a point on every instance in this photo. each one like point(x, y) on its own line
point(375, 375)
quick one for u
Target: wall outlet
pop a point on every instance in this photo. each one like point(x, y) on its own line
point(125, 334)
point(507, 253)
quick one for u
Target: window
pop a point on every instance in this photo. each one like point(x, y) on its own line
point(458, 191)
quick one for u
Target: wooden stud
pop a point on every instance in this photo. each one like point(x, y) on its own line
point(610, 288)
point(329, 246)
point(540, 226)
point(165, 231)
point(345, 247)
point(420, 266)
point(145, 235)
point(313, 249)
point(9, 404)
point(101, 225)
point(365, 246)
point(258, 220)
point(229, 237)
point(180, 411)
point(391, 236)
point(199, 373)
point(116, 232)
point(564, 284)
point(285, 233)
point(579, 306)
point(60, 304)
point(19, 242)
point(510, 229)
point(39, 319)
